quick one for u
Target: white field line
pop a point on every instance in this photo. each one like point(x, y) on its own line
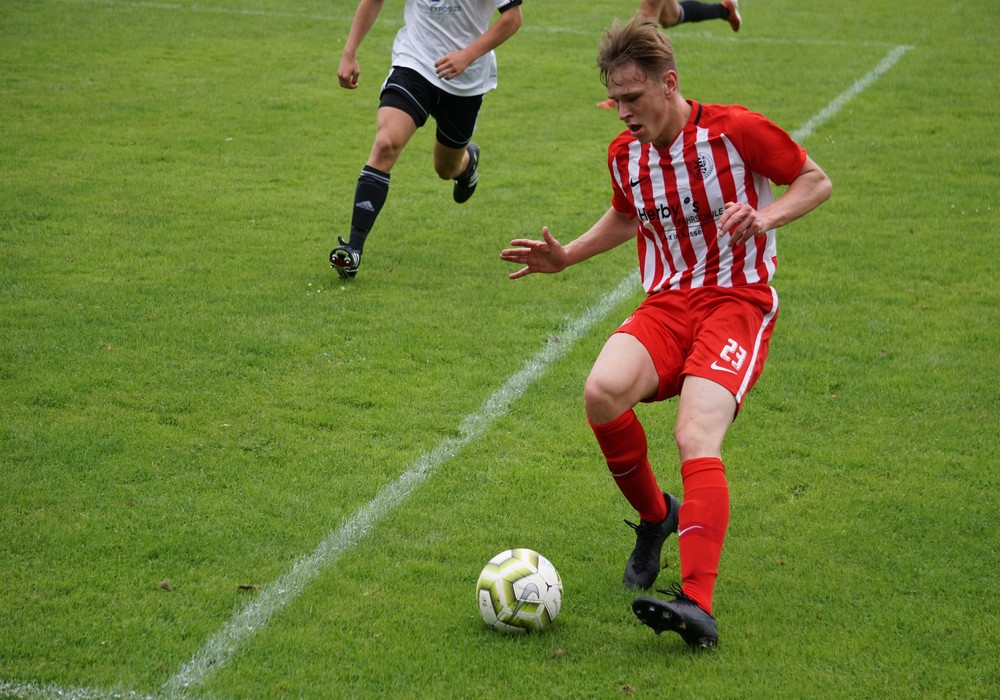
point(9, 689)
point(225, 644)
point(859, 86)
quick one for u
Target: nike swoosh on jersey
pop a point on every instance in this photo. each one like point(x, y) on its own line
point(723, 369)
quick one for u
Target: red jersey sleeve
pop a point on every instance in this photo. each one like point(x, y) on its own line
point(766, 148)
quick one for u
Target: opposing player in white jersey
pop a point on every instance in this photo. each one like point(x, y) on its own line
point(692, 182)
point(442, 65)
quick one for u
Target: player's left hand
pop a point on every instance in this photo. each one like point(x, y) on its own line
point(742, 222)
point(451, 65)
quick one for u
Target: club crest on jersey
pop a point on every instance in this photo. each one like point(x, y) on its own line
point(701, 168)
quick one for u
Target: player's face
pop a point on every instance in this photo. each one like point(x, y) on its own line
point(642, 103)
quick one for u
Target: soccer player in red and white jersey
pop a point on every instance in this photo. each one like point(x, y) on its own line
point(692, 182)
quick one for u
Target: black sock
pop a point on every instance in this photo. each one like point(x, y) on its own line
point(692, 11)
point(369, 197)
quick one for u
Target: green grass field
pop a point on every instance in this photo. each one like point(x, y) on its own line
point(225, 473)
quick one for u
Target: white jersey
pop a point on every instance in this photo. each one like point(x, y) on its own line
point(433, 28)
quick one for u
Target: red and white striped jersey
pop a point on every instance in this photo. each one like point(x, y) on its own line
point(726, 153)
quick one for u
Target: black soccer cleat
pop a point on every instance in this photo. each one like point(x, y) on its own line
point(644, 564)
point(681, 615)
point(465, 184)
point(345, 259)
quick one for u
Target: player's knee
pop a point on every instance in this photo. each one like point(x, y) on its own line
point(686, 437)
point(694, 440)
point(600, 401)
point(670, 16)
point(387, 148)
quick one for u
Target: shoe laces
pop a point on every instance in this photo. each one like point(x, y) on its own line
point(675, 590)
point(645, 535)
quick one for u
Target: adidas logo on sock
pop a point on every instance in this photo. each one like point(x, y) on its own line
point(366, 205)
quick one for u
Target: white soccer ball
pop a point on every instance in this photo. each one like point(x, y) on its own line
point(519, 591)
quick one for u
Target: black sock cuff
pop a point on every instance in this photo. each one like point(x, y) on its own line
point(695, 11)
point(374, 174)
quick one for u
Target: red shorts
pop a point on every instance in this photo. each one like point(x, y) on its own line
point(717, 333)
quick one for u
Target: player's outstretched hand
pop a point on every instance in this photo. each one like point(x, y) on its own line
point(546, 255)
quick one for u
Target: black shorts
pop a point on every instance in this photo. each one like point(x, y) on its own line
point(455, 115)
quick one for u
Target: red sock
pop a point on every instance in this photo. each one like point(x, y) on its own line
point(704, 518)
point(623, 442)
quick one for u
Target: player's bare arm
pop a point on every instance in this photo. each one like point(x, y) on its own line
point(810, 188)
point(349, 70)
point(548, 255)
point(453, 64)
